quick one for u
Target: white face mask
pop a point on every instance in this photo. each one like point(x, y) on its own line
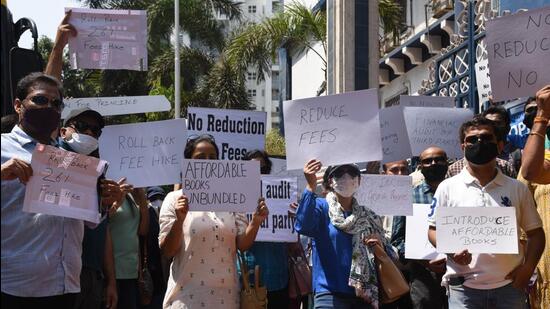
point(346, 185)
point(83, 143)
point(156, 204)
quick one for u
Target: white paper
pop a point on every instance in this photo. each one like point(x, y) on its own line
point(108, 39)
point(417, 245)
point(235, 131)
point(279, 193)
point(426, 101)
point(278, 168)
point(395, 141)
point(221, 185)
point(434, 126)
point(483, 81)
point(109, 106)
point(335, 129)
point(386, 194)
point(63, 184)
point(518, 48)
point(479, 229)
point(147, 154)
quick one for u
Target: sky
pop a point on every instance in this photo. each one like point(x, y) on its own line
point(47, 14)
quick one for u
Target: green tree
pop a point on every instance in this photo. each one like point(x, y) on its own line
point(275, 143)
point(390, 18)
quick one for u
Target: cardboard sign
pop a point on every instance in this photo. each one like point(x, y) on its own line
point(235, 131)
point(386, 194)
point(335, 129)
point(216, 185)
point(518, 48)
point(479, 229)
point(147, 154)
point(417, 245)
point(64, 184)
point(426, 101)
point(110, 106)
point(279, 193)
point(432, 126)
point(483, 81)
point(395, 141)
point(108, 39)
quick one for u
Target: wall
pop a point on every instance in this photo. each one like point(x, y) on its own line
point(411, 80)
point(307, 73)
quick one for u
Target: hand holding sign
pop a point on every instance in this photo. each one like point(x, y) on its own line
point(543, 102)
point(182, 207)
point(261, 212)
point(310, 170)
point(461, 258)
point(65, 31)
point(16, 169)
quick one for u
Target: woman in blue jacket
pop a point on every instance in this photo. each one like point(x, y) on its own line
point(344, 273)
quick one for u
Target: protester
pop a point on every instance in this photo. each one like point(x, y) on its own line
point(538, 170)
point(41, 254)
point(341, 229)
point(501, 117)
point(272, 257)
point(488, 280)
point(424, 276)
point(80, 131)
point(8, 122)
point(399, 168)
point(129, 219)
point(204, 244)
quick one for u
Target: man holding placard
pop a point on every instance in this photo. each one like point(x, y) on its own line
point(487, 278)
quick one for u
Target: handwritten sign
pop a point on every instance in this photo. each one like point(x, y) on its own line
point(110, 106)
point(483, 81)
point(235, 131)
point(518, 48)
point(426, 101)
point(417, 245)
point(385, 194)
point(216, 185)
point(108, 39)
point(279, 193)
point(432, 126)
point(395, 141)
point(64, 184)
point(478, 229)
point(147, 154)
point(335, 129)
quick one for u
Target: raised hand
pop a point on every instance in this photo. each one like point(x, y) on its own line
point(310, 169)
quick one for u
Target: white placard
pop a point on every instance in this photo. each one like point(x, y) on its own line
point(108, 39)
point(518, 47)
point(64, 184)
point(278, 168)
point(109, 106)
point(147, 154)
point(395, 141)
point(483, 81)
point(335, 129)
point(479, 229)
point(221, 185)
point(279, 193)
point(433, 126)
point(426, 101)
point(235, 131)
point(386, 194)
point(417, 245)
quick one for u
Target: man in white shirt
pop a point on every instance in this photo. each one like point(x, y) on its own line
point(488, 280)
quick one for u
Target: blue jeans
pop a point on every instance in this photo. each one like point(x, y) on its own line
point(506, 297)
point(328, 300)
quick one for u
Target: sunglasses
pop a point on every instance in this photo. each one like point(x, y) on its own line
point(474, 139)
point(82, 126)
point(194, 137)
point(436, 160)
point(43, 100)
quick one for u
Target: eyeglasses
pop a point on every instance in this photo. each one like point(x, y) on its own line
point(474, 139)
point(82, 126)
point(43, 100)
point(193, 137)
point(436, 160)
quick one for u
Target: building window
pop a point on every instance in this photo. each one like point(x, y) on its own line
point(251, 75)
point(251, 92)
point(251, 9)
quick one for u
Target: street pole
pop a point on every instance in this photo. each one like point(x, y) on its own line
point(177, 103)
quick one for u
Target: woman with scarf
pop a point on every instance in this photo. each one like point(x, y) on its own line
point(343, 232)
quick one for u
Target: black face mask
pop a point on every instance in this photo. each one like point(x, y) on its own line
point(41, 120)
point(548, 132)
point(481, 153)
point(528, 118)
point(435, 172)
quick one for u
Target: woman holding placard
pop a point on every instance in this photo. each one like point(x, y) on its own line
point(204, 244)
point(344, 233)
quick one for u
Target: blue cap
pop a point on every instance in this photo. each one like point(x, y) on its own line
point(155, 191)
